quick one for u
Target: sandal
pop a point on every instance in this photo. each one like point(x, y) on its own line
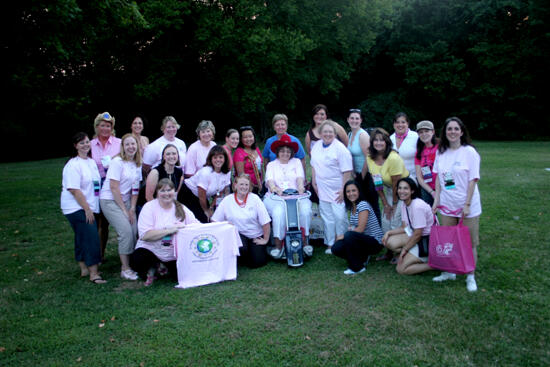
point(150, 280)
point(98, 280)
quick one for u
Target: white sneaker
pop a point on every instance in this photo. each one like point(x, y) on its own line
point(471, 285)
point(351, 272)
point(444, 276)
point(328, 251)
point(277, 253)
point(128, 274)
point(308, 250)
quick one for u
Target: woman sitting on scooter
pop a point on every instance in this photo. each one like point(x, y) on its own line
point(365, 235)
point(285, 172)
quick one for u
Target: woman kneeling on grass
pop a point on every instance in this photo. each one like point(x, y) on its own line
point(413, 237)
point(246, 211)
point(158, 221)
point(365, 235)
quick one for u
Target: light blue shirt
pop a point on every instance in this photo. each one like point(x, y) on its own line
point(356, 152)
point(270, 156)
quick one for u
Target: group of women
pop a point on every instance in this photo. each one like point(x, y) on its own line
point(412, 175)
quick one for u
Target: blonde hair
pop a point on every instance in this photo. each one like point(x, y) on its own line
point(107, 117)
point(168, 119)
point(124, 156)
point(329, 123)
point(245, 176)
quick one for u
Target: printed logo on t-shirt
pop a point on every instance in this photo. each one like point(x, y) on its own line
point(204, 246)
point(449, 180)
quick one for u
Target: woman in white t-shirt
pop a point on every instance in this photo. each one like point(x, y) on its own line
point(246, 211)
point(158, 221)
point(456, 194)
point(285, 172)
point(208, 186)
point(153, 153)
point(404, 141)
point(412, 239)
point(118, 200)
point(198, 151)
point(331, 167)
point(80, 205)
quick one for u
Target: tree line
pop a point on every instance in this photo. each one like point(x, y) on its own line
point(238, 62)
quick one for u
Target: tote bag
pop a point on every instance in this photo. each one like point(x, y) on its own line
point(451, 249)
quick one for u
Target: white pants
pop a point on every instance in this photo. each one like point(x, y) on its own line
point(276, 209)
point(395, 221)
point(335, 221)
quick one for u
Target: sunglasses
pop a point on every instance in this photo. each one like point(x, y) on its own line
point(355, 110)
point(248, 127)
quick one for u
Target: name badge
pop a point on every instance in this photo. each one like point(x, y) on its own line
point(378, 182)
point(449, 181)
point(426, 173)
point(167, 240)
point(97, 187)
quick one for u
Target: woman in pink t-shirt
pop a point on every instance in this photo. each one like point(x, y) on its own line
point(456, 193)
point(198, 151)
point(426, 147)
point(248, 158)
point(104, 146)
point(159, 220)
point(411, 240)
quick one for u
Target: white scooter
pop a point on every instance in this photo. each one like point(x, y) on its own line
point(295, 237)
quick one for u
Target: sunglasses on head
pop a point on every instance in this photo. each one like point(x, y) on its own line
point(354, 110)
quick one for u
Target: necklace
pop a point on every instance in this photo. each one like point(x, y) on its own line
point(242, 204)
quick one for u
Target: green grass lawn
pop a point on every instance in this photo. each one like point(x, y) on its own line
point(277, 316)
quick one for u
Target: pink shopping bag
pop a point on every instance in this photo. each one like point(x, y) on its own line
point(451, 249)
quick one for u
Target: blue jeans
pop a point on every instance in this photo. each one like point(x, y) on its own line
point(86, 238)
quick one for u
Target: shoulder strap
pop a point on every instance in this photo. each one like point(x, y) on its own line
point(409, 219)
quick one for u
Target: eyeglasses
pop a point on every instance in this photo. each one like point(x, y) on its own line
point(355, 110)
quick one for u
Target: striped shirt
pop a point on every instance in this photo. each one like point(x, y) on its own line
point(373, 228)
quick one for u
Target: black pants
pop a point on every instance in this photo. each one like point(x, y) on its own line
point(426, 196)
point(370, 194)
point(355, 248)
point(251, 254)
point(187, 198)
point(142, 260)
